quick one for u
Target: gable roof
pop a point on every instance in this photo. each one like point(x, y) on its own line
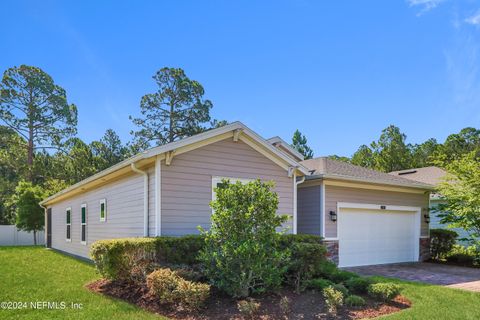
point(431, 175)
point(235, 129)
point(324, 167)
point(282, 144)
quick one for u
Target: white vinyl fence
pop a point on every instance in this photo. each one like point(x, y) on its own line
point(10, 236)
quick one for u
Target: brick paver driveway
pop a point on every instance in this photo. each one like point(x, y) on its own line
point(449, 276)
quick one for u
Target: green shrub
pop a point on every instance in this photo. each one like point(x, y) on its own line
point(468, 256)
point(384, 291)
point(190, 273)
point(340, 276)
point(248, 308)
point(241, 254)
point(163, 283)
point(354, 301)
point(441, 242)
point(116, 259)
point(340, 287)
point(192, 295)
point(168, 287)
point(358, 285)
point(319, 284)
point(132, 258)
point(333, 299)
point(307, 254)
point(326, 269)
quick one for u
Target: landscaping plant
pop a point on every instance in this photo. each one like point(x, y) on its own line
point(359, 285)
point(333, 299)
point(441, 242)
point(241, 254)
point(354, 301)
point(285, 305)
point(248, 307)
point(384, 291)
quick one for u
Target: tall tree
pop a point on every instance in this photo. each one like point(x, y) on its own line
point(459, 144)
point(109, 149)
point(175, 111)
point(422, 154)
point(461, 192)
point(299, 142)
point(364, 157)
point(391, 153)
point(36, 108)
point(30, 216)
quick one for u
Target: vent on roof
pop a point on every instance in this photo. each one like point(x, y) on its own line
point(407, 172)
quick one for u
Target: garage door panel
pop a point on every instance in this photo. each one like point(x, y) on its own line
point(375, 236)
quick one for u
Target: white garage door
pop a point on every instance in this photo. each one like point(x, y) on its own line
point(368, 236)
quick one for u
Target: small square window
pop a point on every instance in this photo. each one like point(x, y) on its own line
point(103, 210)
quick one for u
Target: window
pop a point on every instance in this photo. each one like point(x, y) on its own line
point(68, 221)
point(103, 210)
point(217, 183)
point(84, 224)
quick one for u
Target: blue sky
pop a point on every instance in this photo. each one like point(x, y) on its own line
point(340, 71)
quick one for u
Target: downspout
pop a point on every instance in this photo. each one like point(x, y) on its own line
point(145, 197)
point(45, 235)
point(295, 187)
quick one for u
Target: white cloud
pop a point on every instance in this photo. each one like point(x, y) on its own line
point(424, 5)
point(475, 19)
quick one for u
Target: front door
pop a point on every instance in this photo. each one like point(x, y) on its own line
point(49, 228)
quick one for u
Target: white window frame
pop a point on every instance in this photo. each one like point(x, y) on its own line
point(104, 202)
point(84, 205)
point(68, 224)
point(216, 180)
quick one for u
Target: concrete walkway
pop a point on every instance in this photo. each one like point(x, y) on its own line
point(449, 276)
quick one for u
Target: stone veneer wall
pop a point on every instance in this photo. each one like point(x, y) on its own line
point(424, 249)
point(332, 250)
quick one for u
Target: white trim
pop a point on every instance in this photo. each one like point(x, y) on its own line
point(145, 197)
point(365, 183)
point(84, 205)
point(104, 202)
point(283, 143)
point(416, 210)
point(322, 209)
point(331, 239)
point(68, 224)
point(217, 179)
point(294, 203)
point(424, 237)
point(158, 196)
point(352, 205)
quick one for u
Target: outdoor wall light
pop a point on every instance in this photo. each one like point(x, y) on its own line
point(333, 216)
point(427, 218)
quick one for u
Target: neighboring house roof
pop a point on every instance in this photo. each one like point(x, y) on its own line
point(431, 175)
point(325, 167)
point(237, 130)
point(283, 145)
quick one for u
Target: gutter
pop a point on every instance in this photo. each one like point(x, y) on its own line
point(145, 197)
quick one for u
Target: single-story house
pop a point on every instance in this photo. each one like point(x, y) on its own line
point(432, 175)
point(166, 190)
point(364, 217)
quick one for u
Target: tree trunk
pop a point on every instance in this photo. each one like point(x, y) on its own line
point(35, 237)
point(31, 114)
point(170, 130)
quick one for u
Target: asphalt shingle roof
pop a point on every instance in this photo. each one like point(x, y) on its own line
point(329, 168)
point(431, 175)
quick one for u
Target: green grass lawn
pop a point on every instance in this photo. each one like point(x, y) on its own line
point(36, 274)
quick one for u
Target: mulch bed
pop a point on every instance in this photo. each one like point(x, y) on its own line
point(307, 305)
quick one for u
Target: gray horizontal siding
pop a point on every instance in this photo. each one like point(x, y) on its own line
point(309, 209)
point(187, 183)
point(335, 194)
point(124, 215)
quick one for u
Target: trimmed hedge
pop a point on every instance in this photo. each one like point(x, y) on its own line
point(441, 242)
point(132, 258)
